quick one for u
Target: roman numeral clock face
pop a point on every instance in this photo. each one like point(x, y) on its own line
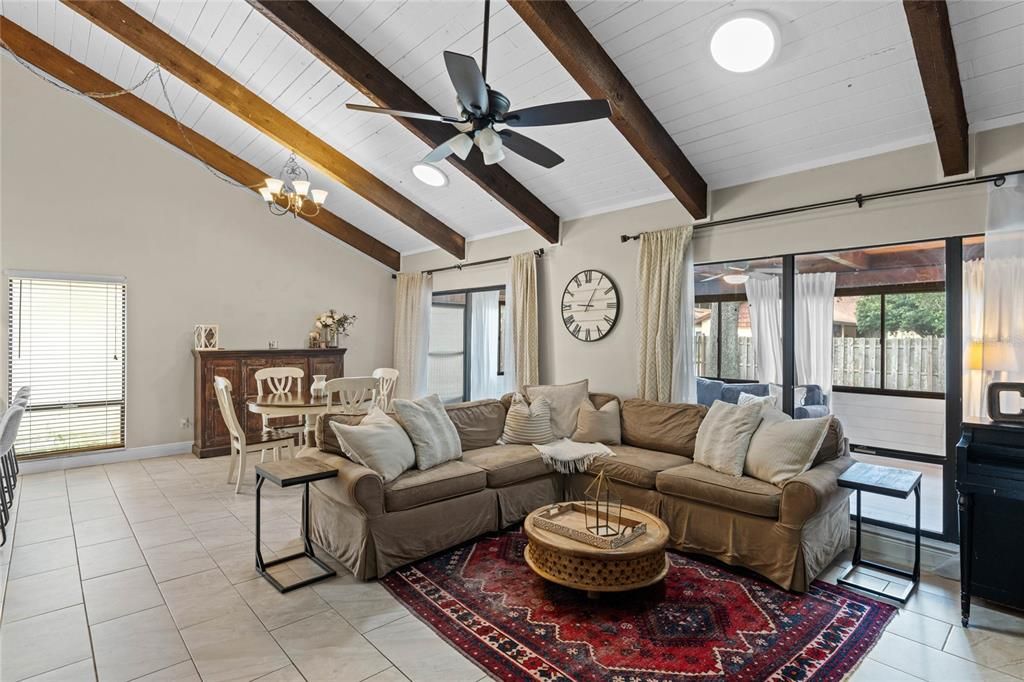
point(590, 305)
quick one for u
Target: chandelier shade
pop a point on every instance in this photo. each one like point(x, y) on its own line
point(293, 193)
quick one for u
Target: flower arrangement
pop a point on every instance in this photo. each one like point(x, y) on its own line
point(334, 324)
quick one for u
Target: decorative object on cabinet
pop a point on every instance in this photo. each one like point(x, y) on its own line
point(240, 367)
point(990, 490)
point(590, 305)
point(335, 325)
point(995, 410)
point(206, 336)
point(314, 340)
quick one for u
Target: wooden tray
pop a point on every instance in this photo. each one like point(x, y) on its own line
point(568, 520)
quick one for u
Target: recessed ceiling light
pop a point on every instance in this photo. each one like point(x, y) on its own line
point(745, 42)
point(429, 174)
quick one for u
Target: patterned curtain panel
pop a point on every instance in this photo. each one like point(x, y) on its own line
point(659, 294)
point(412, 333)
point(521, 304)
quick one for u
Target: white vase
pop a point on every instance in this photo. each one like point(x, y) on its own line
point(318, 386)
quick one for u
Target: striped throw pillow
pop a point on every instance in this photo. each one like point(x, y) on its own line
point(528, 423)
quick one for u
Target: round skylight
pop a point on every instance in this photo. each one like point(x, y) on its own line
point(745, 42)
point(429, 174)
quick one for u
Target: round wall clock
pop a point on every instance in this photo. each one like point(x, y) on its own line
point(590, 305)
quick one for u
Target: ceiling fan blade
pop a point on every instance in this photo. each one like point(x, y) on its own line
point(530, 149)
point(559, 113)
point(712, 277)
point(468, 81)
point(405, 114)
point(733, 267)
point(438, 153)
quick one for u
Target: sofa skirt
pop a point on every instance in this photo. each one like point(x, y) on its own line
point(789, 557)
point(516, 501)
point(371, 547)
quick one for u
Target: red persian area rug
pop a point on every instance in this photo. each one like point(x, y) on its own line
point(703, 623)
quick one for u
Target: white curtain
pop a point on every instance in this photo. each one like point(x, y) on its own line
point(659, 293)
point(521, 302)
point(484, 380)
point(765, 301)
point(973, 336)
point(815, 301)
point(412, 333)
point(1003, 350)
point(684, 361)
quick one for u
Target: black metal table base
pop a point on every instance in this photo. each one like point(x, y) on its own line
point(307, 547)
point(914, 575)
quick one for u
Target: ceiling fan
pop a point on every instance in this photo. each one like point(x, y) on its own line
point(733, 274)
point(482, 108)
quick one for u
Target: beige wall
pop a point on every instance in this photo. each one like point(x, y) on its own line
point(83, 191)
point(594, 242)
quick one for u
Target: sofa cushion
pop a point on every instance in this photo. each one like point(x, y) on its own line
point(724, 436)
point(668, 427)
point(565, 400)
point(430, 429)
point(739, 493)
point(377, 442)
point(326, 439)
point(479, 422)
point(508, 464)
point(417, 487)
point(528, 423)
point(636, 466)
point(834, 444)
point(602, 425)
point(731, 392)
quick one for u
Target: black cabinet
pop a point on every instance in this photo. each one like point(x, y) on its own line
point(990, 489)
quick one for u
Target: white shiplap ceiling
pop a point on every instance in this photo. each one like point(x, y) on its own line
point(845, 85)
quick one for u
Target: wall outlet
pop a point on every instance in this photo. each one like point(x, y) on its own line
point(186, 422)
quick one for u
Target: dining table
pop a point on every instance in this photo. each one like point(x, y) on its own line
point(291, 405)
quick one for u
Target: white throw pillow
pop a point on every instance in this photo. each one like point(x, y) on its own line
point(377, 442)
point(528, 423)
point(434, 437)
point(783, 447)
point(565, 400)
point(599, 426)
point(724, 434)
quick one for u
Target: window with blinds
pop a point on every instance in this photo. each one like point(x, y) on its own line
point(67, 342)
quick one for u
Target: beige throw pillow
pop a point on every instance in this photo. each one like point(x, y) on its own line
point(433, 435)
point(377, 442)
point(565, 401)
point(599, 426)
point(724, 435)
point(528, 423)
point(783, 447)
point(764, 400)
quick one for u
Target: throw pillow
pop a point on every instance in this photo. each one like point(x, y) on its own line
point(724, 435)
point(599, 426)
point(528, 423)
point(565, 400)
point(433, 435)
point(377, 442)
point(764, 401)
point(783, 447)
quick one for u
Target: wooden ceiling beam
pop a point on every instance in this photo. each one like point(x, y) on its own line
point(60, 66)
point(346, 57)
point(147, 39)
point(569, 40)
point(936, 61)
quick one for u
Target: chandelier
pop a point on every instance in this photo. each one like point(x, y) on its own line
point(292, 194)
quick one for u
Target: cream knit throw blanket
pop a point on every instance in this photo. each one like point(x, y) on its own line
point(568, 457)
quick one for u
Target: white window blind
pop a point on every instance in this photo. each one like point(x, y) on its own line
point(67, 341)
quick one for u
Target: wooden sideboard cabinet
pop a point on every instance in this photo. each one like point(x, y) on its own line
point(240, 367)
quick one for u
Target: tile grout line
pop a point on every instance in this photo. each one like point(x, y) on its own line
point(81, 588)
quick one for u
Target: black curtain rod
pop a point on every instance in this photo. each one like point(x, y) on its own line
point(860, 199)
point(458, 266)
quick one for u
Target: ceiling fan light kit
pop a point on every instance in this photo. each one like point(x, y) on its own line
point(481, 109)
point(745, 42)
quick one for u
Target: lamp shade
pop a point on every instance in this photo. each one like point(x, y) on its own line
point(319, 196)
point(301, 187)
point(993, 356)
point(267, 195)
point(274, 185)
point(460, 145)
point(974, 355)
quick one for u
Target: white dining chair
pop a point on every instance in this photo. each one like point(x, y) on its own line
point(387, 377)
point(353, 394)
point(243, 444)
point(280, 381)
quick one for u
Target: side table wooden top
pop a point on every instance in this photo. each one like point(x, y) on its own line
point(295, 471)
point(881, 480)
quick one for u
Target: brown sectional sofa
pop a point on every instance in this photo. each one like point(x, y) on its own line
point(788, 534)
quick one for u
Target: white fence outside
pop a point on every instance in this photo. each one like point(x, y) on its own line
point(912, 363)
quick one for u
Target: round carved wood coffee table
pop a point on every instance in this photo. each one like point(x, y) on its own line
point(581, 566)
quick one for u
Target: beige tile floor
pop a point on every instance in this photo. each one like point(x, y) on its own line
point(144, 570)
